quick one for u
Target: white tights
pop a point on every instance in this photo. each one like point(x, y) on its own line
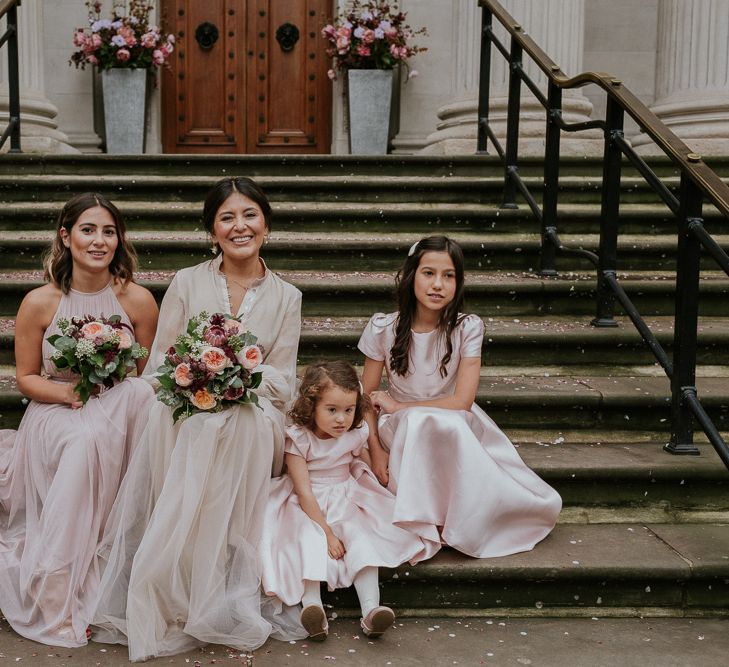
point(366, 583)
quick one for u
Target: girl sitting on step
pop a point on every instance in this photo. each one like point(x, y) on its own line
point(328, 519)
point(447, 462)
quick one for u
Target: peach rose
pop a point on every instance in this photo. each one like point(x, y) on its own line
point(125, 340)
point(249, 357)
point(91, 330)
point(203, 400)
point(215, 359)
point(183, 375)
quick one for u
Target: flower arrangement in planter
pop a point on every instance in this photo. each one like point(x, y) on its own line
point(367, 43)
point(125, 48)
point(125, 40)
point(371, 35)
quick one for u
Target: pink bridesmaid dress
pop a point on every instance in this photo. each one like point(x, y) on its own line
point(455, 469)
point(356, 506)
point(59, 475)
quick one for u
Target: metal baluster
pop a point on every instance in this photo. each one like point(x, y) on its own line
point(551, 181)
point(512, 125)
point(484, 85)
point(686, 320)
point(609, 214)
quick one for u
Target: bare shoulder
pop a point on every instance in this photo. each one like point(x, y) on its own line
point(134, 297)
point(40, 304)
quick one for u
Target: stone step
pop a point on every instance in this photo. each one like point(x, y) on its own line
point(544, 401)
point(371, 217)
point(328, 294)
point(623, 476)
point(353, 187)
point(292, 166)
point(642, 569)
point(341, 250)
point(562, 343)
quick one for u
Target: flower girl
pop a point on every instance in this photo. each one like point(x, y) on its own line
point(447, 462)
point(329, 519)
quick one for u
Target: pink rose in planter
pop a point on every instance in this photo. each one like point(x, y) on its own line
point(158, 57)
point(369, 36)
point(363, 50)
point(79, 38)
point(123, 55)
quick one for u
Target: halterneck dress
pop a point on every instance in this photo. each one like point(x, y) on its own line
point(354, 504)
point(181, 550)
point(455, 469)
point(59, 475)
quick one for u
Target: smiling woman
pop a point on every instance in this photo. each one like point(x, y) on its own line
point(67, 458)
point(182, 568)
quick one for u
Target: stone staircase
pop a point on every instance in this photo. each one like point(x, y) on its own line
point(642, 532)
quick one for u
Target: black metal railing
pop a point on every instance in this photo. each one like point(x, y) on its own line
point(698, 183)
point(9, 9)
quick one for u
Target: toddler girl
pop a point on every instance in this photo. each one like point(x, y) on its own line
point(329, 519)
point(447, 462)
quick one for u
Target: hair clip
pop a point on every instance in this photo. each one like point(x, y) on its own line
point(361, 388)
point(413, 247)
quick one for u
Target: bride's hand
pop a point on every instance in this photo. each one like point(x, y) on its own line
point(384, 402)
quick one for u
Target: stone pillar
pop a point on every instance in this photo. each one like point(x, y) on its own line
point(558, 27)
point(39, 133)
point(692, 75)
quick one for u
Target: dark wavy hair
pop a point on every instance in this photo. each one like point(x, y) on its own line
point(228, 186)
point(57, 260)
point(450, 316)
point(321, 376)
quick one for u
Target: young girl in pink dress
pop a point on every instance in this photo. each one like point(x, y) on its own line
point(447, 462)
point(61, 470)
point(329, 519)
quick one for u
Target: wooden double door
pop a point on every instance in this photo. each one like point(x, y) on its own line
point(247, 76)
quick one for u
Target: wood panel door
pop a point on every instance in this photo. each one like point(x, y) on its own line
point(248, 76)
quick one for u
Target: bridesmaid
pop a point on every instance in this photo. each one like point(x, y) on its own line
point(61, 470)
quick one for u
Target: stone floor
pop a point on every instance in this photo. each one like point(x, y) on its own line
point(545, 642)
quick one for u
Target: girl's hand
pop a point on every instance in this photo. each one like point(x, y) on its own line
point(380, 459)
point(334, 546)
point(384, 402)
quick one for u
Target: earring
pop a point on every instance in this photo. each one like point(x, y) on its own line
point(214, 248)
point(265, 240)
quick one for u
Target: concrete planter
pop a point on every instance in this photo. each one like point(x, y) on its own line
point(125, 94)
point(370, 99)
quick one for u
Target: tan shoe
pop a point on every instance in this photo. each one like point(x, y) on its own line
point(377, 621)
point(315, 623)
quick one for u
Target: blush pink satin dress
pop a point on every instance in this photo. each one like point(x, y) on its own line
point(59, 475)
point(356, 506)
point(455, 469)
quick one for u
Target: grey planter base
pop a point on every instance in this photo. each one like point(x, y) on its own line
point(125, 93)
point(370, 98)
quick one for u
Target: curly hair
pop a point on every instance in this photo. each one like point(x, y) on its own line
point(321, 376)
point(407, 303)
point(57, 260)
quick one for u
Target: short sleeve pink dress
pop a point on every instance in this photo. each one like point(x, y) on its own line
point(356, 506)
point(455, 469)
point(59, 475)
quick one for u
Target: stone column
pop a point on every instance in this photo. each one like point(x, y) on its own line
point(39, 133)
point(692, 75)
point(558, 27)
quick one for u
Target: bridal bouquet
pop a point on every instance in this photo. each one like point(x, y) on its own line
point(210, 367)
point(99, 350)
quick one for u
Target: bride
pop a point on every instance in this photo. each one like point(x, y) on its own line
point(182, 568)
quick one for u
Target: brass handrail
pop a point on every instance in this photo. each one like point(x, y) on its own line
point(7, 5)
point(698, 183)
point(690, 162)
